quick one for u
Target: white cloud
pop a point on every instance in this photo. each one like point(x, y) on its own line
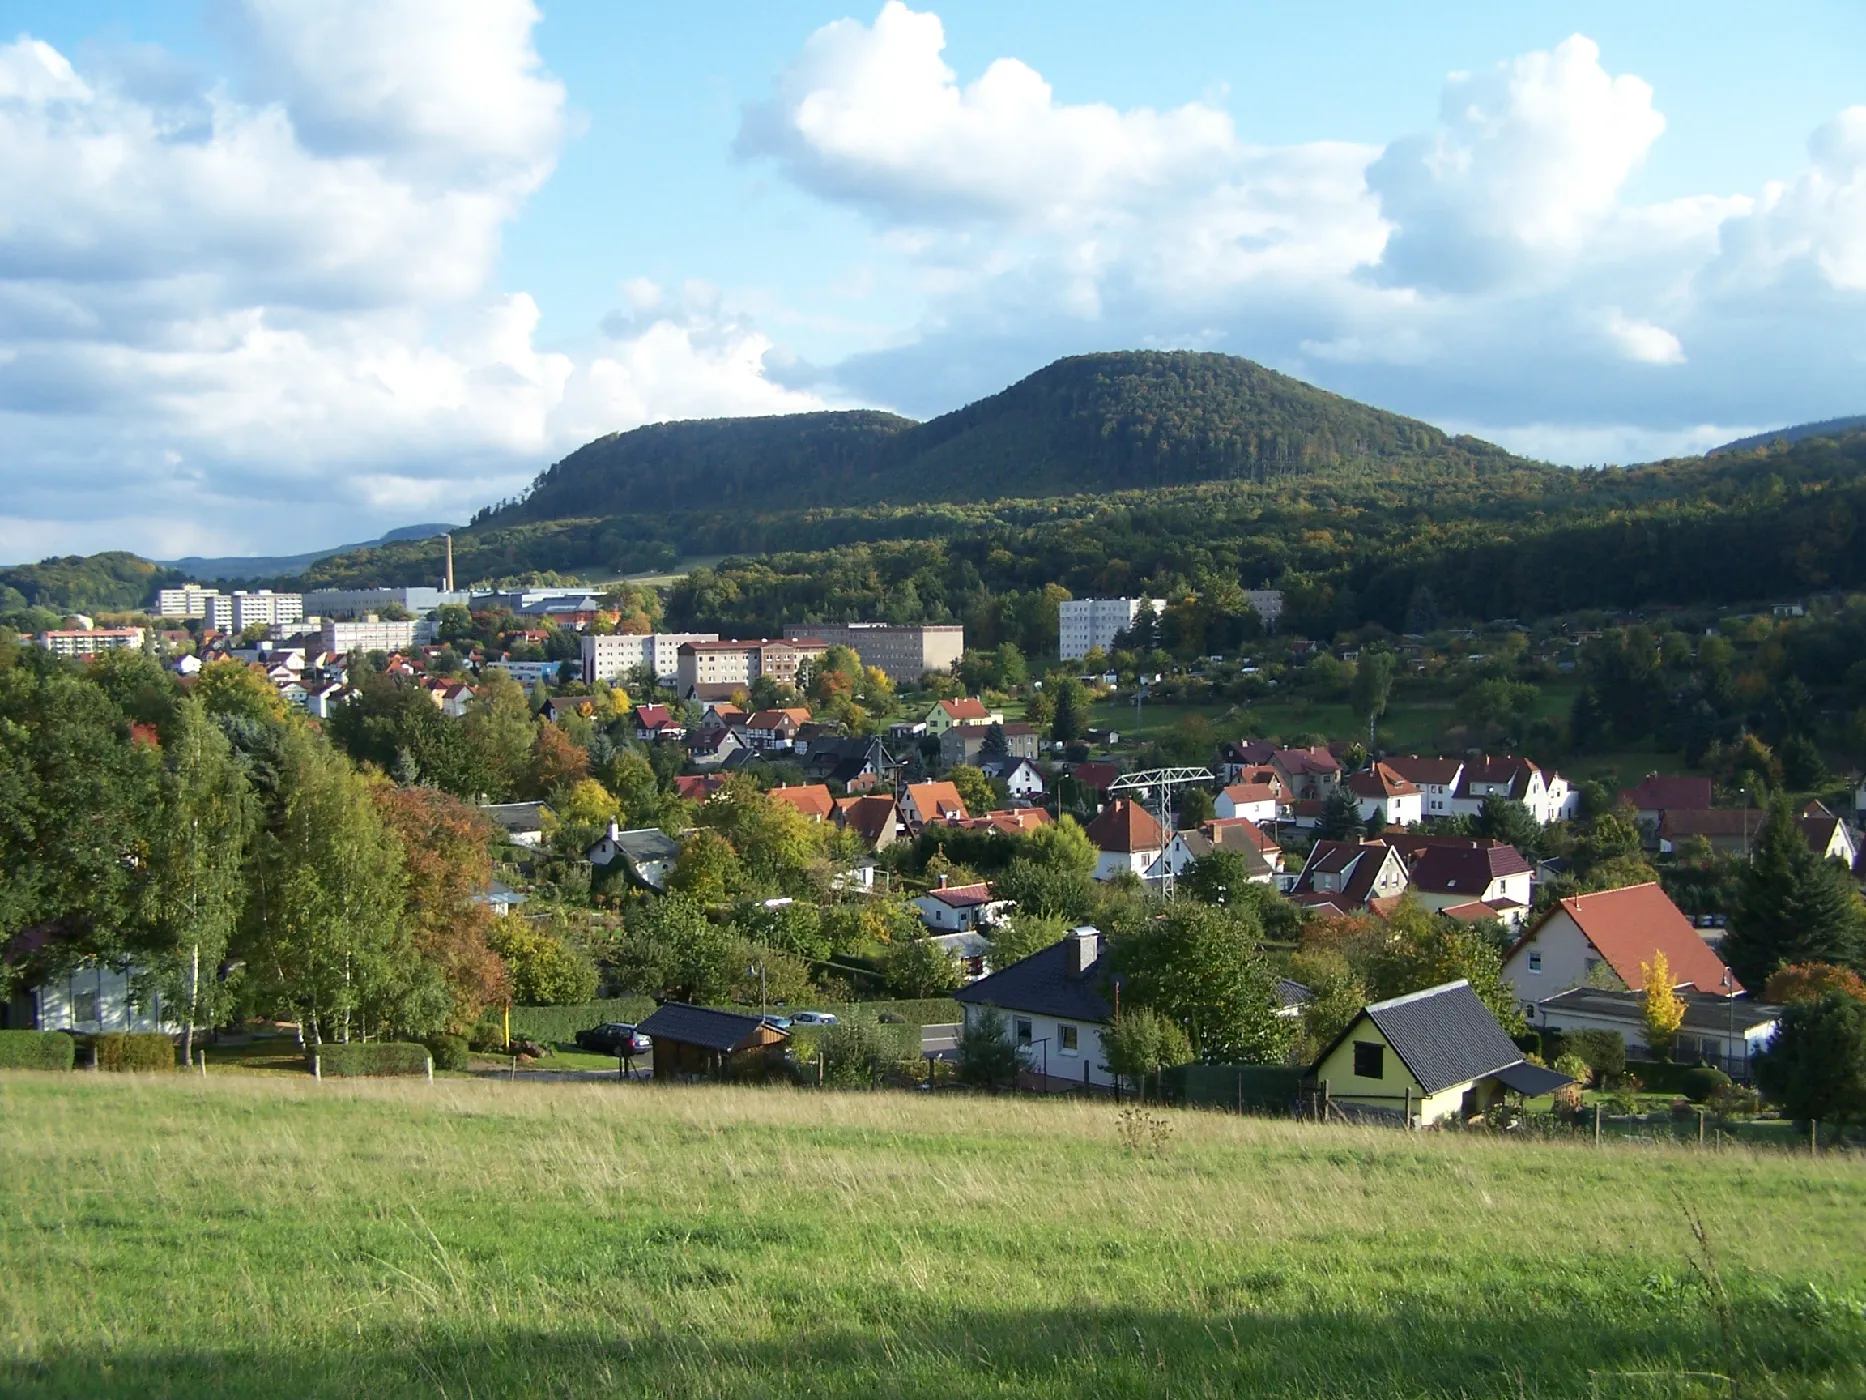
point(1642, 341)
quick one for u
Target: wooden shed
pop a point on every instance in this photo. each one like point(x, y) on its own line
point(696, 1041)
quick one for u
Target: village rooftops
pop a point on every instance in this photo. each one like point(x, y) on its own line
point(1654, 793)
point(1124, 826)
point(1449, 870)
point(1380, 781)
point(1427, 772)
point(1047, 983)
point(1627, 926)
point(963, 896)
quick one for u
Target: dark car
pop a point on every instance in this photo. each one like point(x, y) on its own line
point(614, 1038)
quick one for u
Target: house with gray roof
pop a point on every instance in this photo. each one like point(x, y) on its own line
point(1056, 1008)
point(647, 854)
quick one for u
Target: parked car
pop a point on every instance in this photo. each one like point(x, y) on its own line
point(812, 1018)
point(614, 1038)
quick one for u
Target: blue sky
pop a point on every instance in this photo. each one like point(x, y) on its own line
point(275, 272)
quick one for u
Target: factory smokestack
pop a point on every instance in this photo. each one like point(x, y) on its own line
point(450, 562)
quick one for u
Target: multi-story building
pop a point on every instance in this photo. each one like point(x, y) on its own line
point(903, 654)
point(359, 602)
point(190, 600)
point(1268, 604)
point(719, 666)
point(235, 612)
point(613, 657)
point(367, 634)
point(88, 641)
point(530, 673)
point(1087, 623)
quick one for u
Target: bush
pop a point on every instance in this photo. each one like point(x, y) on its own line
point(124, 1053)
point(36, 1050)
point(558, 1025)
point(1700, 1082)
point(855, 1053)
point(371, 1061)
point(1575, 1068)
point(486, 1036)
point(1664, 1077)
point(449, 1051)
point(987, 1055)
point(1604, 1051)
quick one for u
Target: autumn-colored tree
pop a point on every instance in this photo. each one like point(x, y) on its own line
point(444, 845)
point(1662, 1009)
point(1811, 981)
point(975, 789)
point(557, 763)
point(229, 687)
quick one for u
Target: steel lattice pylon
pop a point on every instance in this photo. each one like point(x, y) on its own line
point(1160, 782)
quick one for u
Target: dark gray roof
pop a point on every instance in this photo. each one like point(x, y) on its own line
point(1042, 985)
point(1444, 1035)
point(1703, 1012)
point(647, 843)
point(1289, 993)
point(1531, 1081)
point(700, 1025)
point(515, 816)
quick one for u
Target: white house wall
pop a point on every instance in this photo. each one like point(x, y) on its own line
point(1565, 952)
point(103, 992)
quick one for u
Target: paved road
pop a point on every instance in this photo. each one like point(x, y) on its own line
point(939, 1040)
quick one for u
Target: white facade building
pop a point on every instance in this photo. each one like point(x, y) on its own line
point(611, 658)
point(235, 612)
point(190, 600)
point(1268, 604)
point(368, 634)
point(92, 999)
point(1087, 623)
point(91, 640)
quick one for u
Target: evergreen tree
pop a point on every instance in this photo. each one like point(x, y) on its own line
point(1792, 906)
point(1341, 817)
point(1072, 705)
point(1816, 1065)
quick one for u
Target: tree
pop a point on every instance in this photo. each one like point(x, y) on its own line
point(1336, 996)
point(708, 868)
point(500, 730)
point(994, 747)
point(987, 1057)
point(1661, 1008)
point(920, 968)
point(545, 969)
point(1062, 845)
point(1040, 711)
point(670, 949)
point(1421, 949)
point(1195, 808)
point(1341, 816)
point(556, 763)
point(229, 687)
point(1509, 821)
point(1142, 1044)
point(1372, 688)
point(1815, 1066)
point(1216, 878)
point(1811, 982)
point(1016, 938)
point(1199, 967)
point(1803, 769)
point(1072, 710)
point(1792, 906)
point(1050, 891)
point(975, 789)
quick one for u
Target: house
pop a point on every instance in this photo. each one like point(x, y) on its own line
point(1307, 774)
point(1546, 794)
point(971, 950)
point(965, 743)
point(926, 802)
point(1383, 793)
point(1493, 875)
point(692, 1042)
point(1015, 821)
point(721, 714)
point(859, 765)
point(647, 854)
point(655, 722)
point(1350, 875)
point(1727, 1032)
point(325, 700)
point(1019, 776)
point(502, 899)
point(771, 730)
point(1241, 833)
point(710, 748)
point(1128, 837)
point(874, 817)
point(451, 697)
point(1436, 778)
point(522, 822)
point(1654, 796)
point(1188, 847)
point(1622, 928)
point(1426, 1057)
point(947, 713)
point(959, 908)
point(1055, 1010)
point(1828, 835)
point(90, 998)
point(1255, 801)
point(697, 787)
point(1729, 831)
point(1096, 777)
point(813, 801)
point(1235, 759)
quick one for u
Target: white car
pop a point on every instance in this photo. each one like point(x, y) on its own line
point(812, 1018)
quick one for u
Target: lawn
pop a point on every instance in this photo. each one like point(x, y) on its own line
point(244, 1236)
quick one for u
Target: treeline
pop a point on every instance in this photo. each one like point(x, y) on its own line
point(110, 582)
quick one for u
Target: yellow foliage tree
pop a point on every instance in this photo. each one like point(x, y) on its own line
point(1663, 1009)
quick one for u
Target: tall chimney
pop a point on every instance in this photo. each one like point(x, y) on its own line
point(450, 562)
point(1084, 946)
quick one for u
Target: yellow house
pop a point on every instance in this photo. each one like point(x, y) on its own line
point(1425, 1057)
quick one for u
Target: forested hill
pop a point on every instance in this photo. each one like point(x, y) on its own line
point(1092, 423)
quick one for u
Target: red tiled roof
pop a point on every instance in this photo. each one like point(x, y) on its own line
point(1012, 821)
point(1315, 759)
point(1099, 776)
point(1244, 794)
point(652, 716)
point(697, 787)
point(1427, 772)
point(932, 800)
point(1448, 870)
point(1627, 926)
point(813, 801)
point(966, 710)
point(963, 896)
point(1124, 826)
point(1656, 794)
point(1378, 782)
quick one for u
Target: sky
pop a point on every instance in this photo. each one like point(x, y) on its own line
point(281, 274)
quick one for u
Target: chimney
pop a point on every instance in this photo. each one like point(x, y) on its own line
point(450, 562)
point(1082, 947)
point(615, 832)
point(943, 880)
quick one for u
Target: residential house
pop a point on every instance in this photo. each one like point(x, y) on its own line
point(1128, 836)
point(90, 999)
point(1055, 1010)
point(1436, 778)
point(873, 816)
point(959, 908)
point(1547, 795)
point(1095, 777)
point(1493, 875)
point(1622, 928)
point(769, 731)
point(697, 787)
point(813, 801)
point(1236, 759)
point(1728, 1032)
point(713, 748)
point(857, 765)
point(1255, 800)
point(970, 710)
point(692, 1042)
point(965, 743)
point(970, 949)
point(451, 698)
point(1019, 776)
point(647, 854)
point(1186, 848)
point(1729, 831)
point(522, 822)
point(1307, 774)
point(1350, 875)
point(1243, 834)
point(1383, 793)
point(1014, 821)
point(1654, 796)
point(722, 714)
point(928, 802)
point(501, 898)
point(324, 701)
point(1828, 835)
point(656, 722)
point(1426, 1057)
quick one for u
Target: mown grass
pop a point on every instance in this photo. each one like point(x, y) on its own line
point(255, 1237)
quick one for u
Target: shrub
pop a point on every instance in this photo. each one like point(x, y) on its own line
point(987, 1055)
point(36, 1050)
point(449, 1051)
point(486, 1036)
point(854, 1052)
point(1701, 1081)
point(558, 1025)
point(1604, 1051)
point(1575, 1068)
point(125, 1053)
point(357, 1061)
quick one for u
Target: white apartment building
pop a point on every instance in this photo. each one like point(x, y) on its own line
point(88, 641)
point(1087, 623)
point(613, 657)
point(1268, 604)
point(368, 634)
point(190, 600)
point(237, 611)
point(738, 663)
point(903, 653)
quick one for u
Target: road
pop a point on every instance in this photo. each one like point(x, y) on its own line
point(942, 1041)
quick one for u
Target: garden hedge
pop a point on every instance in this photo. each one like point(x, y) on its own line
point(449, 1051)
point(372, 1061)
point(1663, 1077)
point(37, 1050)
point(558, 1025)
point(134, 1053)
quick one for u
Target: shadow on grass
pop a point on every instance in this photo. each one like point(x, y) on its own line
point(1517, 1348)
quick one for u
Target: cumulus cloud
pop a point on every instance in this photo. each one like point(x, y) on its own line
point(1490, 271)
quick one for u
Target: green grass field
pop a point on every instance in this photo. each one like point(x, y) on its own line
point(244, 1236)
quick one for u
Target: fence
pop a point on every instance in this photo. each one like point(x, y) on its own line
point(1246, 1088)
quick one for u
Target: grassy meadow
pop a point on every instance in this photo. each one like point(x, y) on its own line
point(244, 1236)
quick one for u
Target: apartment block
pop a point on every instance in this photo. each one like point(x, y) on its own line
point(1087, 623)
point(89, 641)
point(1268, 603)
point(739, 663)
point(368, 634)
point(190, 600)
point(903, 654)
point(613, 657)
point(359, 602)
point(235, 612)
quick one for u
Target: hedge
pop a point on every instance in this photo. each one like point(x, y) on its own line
point(125, 1053)
point(449, 1051)
point(36, 1050)
point(356, 1061)
point(558, 1025)
point(1663, 1077)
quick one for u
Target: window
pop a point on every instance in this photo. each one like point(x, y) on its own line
point(1535, 962)
point(1024, 1033)
point(1369, 1060)
point(83, 1007)
point(1068, 1034)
